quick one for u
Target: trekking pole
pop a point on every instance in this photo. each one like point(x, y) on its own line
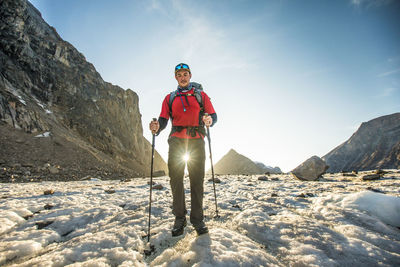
point(212, 169)
point(148, 252)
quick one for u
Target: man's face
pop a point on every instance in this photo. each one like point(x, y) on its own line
point(183, 77)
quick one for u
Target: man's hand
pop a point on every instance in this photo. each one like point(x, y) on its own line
point(207, 120)
point(154, 126)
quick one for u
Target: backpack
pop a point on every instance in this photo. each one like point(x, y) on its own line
point(198, 88)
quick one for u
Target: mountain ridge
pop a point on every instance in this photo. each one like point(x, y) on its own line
point(47, 85)
point(375, 145)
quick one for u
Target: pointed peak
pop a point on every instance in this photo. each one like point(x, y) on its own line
point(232, 151)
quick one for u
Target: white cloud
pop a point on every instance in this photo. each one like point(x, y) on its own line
point(388, 91)
point(200, 38)
point(154, 4)
point(394, 59)
point(389, 73)
point(370, 3)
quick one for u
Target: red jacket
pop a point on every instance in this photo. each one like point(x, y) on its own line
point(190, 117)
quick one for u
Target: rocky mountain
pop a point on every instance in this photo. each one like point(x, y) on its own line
point(375, 145)
point(264, 168)
point(46, 85)
point(235, 163)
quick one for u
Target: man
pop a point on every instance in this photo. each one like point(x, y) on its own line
point(186, 107)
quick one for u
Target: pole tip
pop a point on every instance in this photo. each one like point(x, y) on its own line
point(149, 249)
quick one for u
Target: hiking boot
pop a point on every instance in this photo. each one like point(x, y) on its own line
point(201, 229)
point(179, 226)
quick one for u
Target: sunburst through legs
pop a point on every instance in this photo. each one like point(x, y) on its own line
point(186, 158)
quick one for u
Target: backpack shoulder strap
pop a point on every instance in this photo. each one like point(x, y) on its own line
point(199, 97)
point(198, 88)
point(172, 96)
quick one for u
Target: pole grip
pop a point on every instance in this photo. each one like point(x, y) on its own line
point(154, 119)
point(206, 114)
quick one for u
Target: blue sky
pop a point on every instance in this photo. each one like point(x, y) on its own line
point(288, 79)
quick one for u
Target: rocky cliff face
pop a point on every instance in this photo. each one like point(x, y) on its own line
point(235, 163)
point(375, 145)
point(47, 85)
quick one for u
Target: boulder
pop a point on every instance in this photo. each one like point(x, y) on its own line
point(48, 192)
point(306, 195)
point(48, 206)
point(349, 174)
point(380, 172)
point(41, 225)
point(53, 170)
point(110, 191)
point(216, 180)
point(262, 178)
point(370, 177)
point(158, 187)
point(310, 170)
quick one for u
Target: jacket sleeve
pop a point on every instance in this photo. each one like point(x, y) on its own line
point(164, 115)
point(208, 108)
point(163, 123)
point(165, 108)
point(214, 118)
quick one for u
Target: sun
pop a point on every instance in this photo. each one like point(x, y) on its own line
point(186, 158)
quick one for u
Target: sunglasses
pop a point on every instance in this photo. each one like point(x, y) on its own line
point(182, 66)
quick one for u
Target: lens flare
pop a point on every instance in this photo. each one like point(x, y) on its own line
point(186, 157)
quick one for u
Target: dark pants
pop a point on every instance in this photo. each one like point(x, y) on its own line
point(176, 166)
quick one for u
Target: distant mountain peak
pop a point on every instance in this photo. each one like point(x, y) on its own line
point(375, 145)
point(235, 163)
point(232, 151)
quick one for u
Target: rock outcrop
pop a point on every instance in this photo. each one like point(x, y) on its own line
point(310, 170)
point(267, 169)
point(46, 85)
point(375, 145)
point(235, 163)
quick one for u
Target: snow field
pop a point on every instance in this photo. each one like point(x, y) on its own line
point(282, 222)
point(222, 247)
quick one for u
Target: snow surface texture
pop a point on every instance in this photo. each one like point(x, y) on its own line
point(281, 222)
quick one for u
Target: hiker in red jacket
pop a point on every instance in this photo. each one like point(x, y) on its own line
point(186, 107)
